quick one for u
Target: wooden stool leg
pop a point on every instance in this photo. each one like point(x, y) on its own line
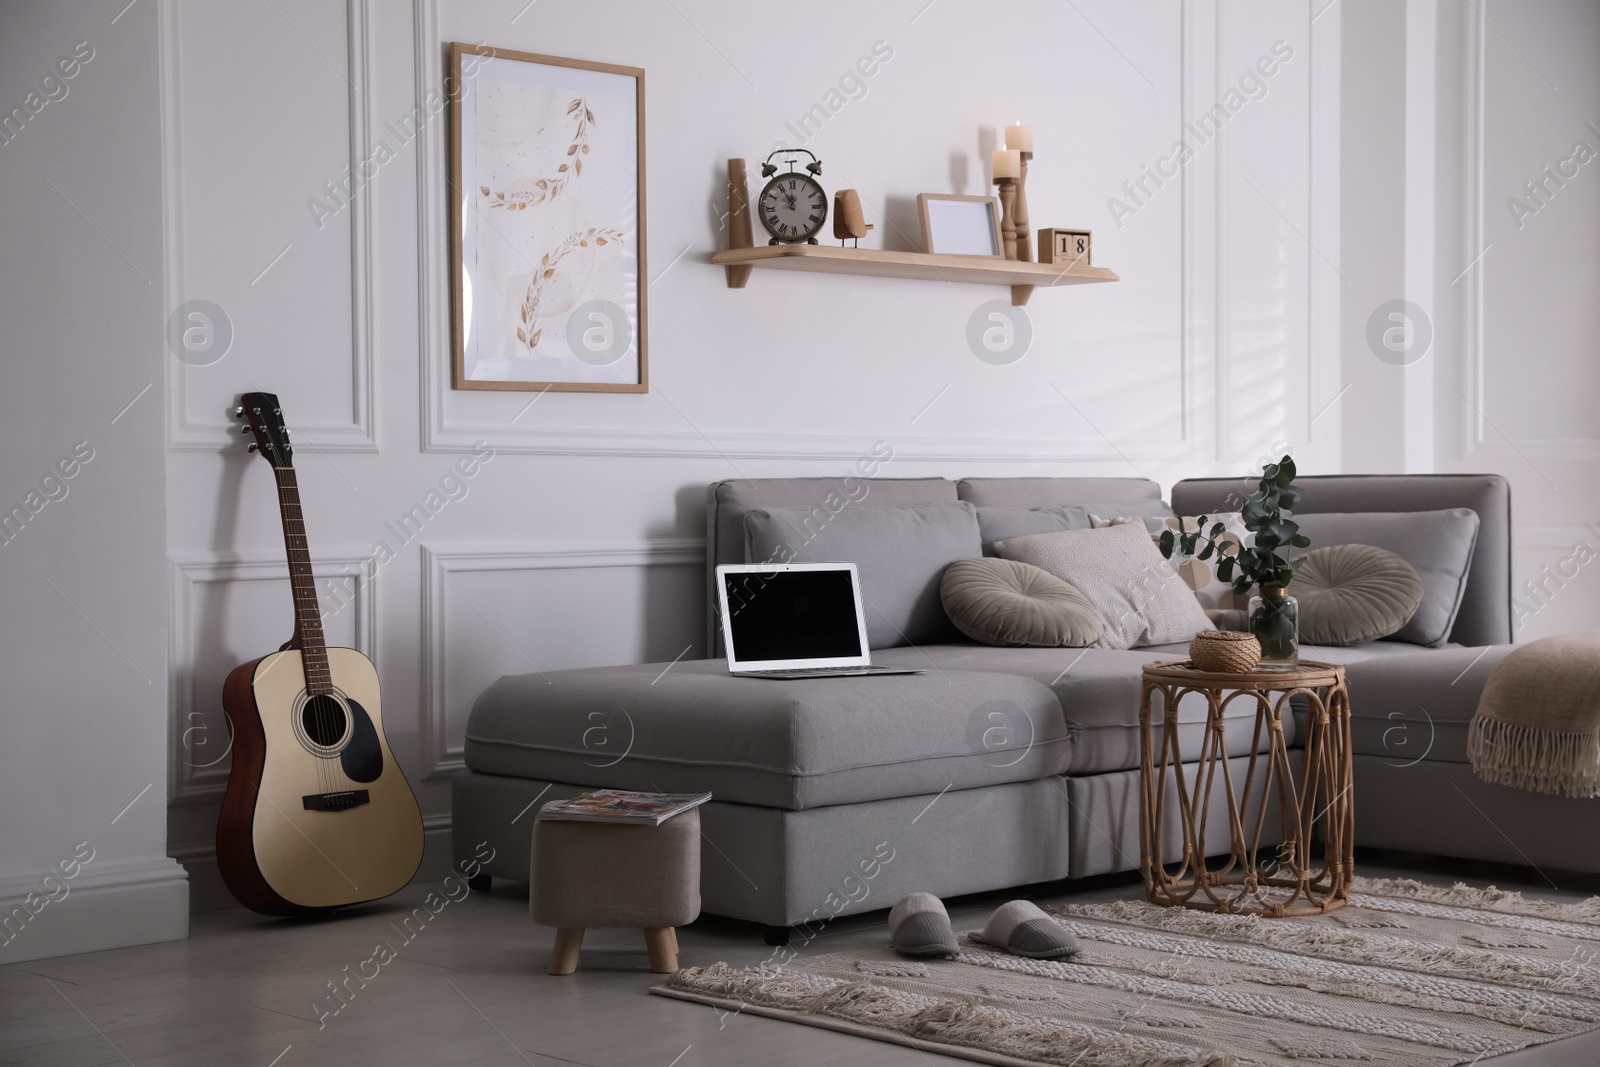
point(564, 957)
point(663, 945)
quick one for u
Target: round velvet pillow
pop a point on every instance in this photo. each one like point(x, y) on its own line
point(1003, 602)
point(1351, 594)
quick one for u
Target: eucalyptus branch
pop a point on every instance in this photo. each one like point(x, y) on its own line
point(1267, 513)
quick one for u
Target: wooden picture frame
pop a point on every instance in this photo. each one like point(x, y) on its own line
point(954, 225)
point(547, 291)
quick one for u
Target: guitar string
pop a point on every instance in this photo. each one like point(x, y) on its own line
point(331, 717)
point(288, 489)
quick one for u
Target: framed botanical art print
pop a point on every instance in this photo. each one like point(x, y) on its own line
point(547, 223)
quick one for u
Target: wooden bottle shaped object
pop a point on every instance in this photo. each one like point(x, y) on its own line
point(739, 232)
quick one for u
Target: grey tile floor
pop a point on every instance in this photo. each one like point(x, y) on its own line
point(470, 987)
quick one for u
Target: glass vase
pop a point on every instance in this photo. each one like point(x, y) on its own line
point(1275, 620)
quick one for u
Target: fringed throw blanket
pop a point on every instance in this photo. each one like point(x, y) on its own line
point(1538, 723)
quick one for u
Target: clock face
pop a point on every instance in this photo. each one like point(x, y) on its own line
point(792, 207)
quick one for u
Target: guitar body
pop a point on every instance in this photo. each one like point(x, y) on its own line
point(280, 857)
point(318, 814)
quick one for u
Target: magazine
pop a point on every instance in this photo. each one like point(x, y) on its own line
point(624, 806)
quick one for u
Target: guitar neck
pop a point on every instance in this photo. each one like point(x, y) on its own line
point(307, 615)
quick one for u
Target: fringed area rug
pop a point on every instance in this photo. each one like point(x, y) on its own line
point(1407, 975)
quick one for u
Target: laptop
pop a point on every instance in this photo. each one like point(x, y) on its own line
point(795, 620)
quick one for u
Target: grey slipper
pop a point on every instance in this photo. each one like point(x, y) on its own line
point(1021, 929)
point(919, 926)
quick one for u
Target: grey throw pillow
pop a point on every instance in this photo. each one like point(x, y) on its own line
point(1141, 600)
point(997, 524)
point(1352, 594)
point(1003, 602)
point(899, 552)
point(1437, 544)
point(1001, 522)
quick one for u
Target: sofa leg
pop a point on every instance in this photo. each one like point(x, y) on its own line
point(662, 943)
point(480, 883)
point(776, 936)
point(564, 957)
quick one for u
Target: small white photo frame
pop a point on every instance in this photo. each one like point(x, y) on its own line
point(960, 225)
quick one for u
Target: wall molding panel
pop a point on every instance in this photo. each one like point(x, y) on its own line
point(187, 430)
point(442, 754)
point(1317, 249)
point(189, 784)
point(1483, 438)
point(1201, 303)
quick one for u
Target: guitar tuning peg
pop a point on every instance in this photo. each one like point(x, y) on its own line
point(244, 429)
point(238, 412)
point(252, 446)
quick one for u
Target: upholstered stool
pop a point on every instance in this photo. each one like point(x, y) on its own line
point(587, 874)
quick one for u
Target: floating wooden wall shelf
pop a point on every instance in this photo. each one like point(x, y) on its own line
point(1022, 277)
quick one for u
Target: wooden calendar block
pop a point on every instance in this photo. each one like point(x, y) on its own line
point(1065, 248)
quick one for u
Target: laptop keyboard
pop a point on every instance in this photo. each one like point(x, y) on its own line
point(825, 672)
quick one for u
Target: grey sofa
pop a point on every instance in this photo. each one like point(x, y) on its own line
point(998, 767)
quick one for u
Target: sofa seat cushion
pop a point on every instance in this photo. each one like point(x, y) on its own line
point(783, 744)
point(1099, 694)
point(1414, 707)
point(1343, 655)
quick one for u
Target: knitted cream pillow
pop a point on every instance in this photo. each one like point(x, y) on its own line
point(1003, 602)
point(1120, 570)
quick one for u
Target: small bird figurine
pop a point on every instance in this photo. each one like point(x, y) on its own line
point(847, 219)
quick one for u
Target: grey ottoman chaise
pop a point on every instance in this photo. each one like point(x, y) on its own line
point(998, 767)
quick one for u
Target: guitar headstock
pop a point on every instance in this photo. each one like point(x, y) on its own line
point(265, 420)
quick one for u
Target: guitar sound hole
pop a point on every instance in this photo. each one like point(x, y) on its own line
point(323, 719)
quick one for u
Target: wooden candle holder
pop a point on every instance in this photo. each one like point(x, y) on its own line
point(1008, 220)
point(1024, 243)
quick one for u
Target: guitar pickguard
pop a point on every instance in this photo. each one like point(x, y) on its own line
point(362, 757)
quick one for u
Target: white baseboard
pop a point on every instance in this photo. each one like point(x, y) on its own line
point(109, 904)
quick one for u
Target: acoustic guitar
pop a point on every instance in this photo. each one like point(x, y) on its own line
point(317, 814)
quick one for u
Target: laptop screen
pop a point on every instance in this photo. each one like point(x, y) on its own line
point(787, 615)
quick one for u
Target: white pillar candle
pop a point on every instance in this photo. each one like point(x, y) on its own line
point(1020, 137)
point(1007, 163)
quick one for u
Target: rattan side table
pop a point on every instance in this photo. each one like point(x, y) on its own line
point(1292, 879)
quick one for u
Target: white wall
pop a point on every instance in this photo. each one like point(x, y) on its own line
point(83, 760)
point(1516, 380)
point(580, 542)
point(1239, 328)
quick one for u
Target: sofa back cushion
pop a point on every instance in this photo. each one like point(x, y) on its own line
point(1485, 613)
point(1437, 544)
point(1055, 492)
point(899, 552)
point(864, 487)
point(727, 502)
